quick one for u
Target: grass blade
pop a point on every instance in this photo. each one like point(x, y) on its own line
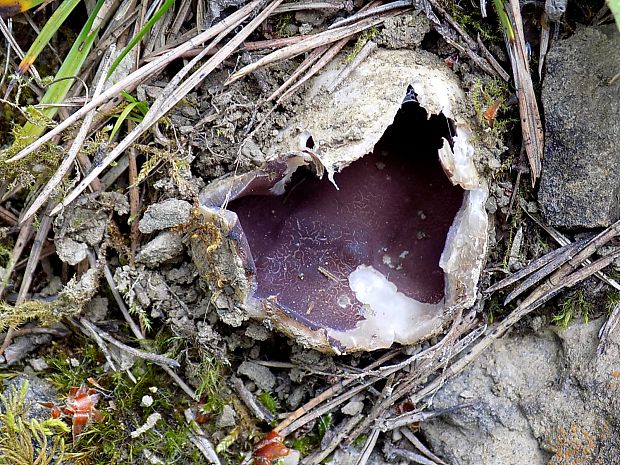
point(12, 7)
point(51, 26)
point(70, 67)
point(138, 37)
point(614, 6)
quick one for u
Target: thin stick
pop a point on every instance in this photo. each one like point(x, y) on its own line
point(415, 417)
point(182, 384)
point(76, 146)
point(249, 400)
point(107, 273)
point(321, 62)
point(546, 264)
point(369, 446)
point(364, 53)
point(412, 438)
point(20, 244)
point(371, 12)
point(104, 348)
point(531, 125)
point(33, 260)
point(290, 7)
point(563, 240)
point(168, 100)
point(145, 72)
point(308, 406)
point(320, 455)
point(151, 357)
point(317, 40)
point(8, 216)
point(308, 61)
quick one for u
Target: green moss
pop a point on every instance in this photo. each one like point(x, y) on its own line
point(309, 442)
point(281, 25)
point(269, 402)
point(26, 441)
point(613, 298)
point(485, 94)
point(574, 306)
point(473, 23)
point(110, 441)
point(360, 42)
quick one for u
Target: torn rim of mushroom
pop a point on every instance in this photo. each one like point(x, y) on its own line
point(461, 260)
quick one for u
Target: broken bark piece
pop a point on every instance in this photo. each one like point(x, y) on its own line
point(374, 253)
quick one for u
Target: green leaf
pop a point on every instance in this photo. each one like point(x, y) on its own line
point(147, 27)
point(51, 26)
point(121, 118)
point(70, 68)
point(614, 6)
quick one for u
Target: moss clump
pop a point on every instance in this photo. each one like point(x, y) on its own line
point(574, 306)
point(362, 39)
point(489, 97)
point(26, 441)
point(474, 24)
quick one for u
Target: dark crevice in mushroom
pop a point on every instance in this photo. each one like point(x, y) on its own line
point(391, 211)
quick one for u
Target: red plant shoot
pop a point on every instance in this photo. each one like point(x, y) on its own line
point(80, 407)
point(269, 448)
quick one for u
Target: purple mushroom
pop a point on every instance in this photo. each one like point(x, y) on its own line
point(332, 257)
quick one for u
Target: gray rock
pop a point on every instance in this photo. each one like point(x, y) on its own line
point(227, 418)
point(97, 309)
point(38, 391)
point(165, 246)
point(38, 364)
point(580, 183)
point(166, 214)
point(538, 399)
point(260, 374)
point(22, 346)
point(353, 408)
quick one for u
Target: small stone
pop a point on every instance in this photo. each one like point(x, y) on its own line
point(38, 364)
point(353, 408)
point(261, 375)
point(146, 401)
point(257, 332)
point(579, 182)
point(166, 214)
point(97, 309)
point(165, 246)
point(227, 418)
point(74, 362)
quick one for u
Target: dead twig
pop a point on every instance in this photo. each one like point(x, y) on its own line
point(388, 424)
point(89, 331)
point(410, 456)
point(199, 439)
point(318, 456)
point(369, 446)
point(364, 53)
point(324, 38)
point(151, 357)
point(563, 240)
point(531, 125)
point(552, 259)
point(76, 146)
point(250, 401)
point(328, 393)
point(20, 245)
point(412, 438)
point(174, 92)
point(140, 75)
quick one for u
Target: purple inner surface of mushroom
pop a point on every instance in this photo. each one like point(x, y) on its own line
point(392, 211)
